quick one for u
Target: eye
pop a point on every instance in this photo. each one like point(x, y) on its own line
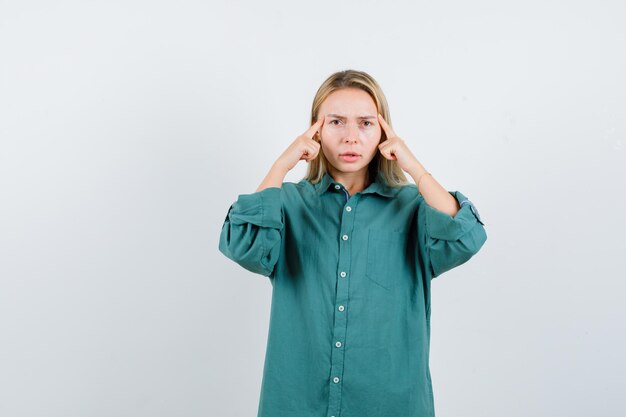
point(334, 120)
point(370, 123)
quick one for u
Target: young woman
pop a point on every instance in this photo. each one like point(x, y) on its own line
point(350, 251)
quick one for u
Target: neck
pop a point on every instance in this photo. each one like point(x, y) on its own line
point(353, 181)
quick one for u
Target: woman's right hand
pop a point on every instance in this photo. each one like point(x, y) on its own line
point(304, 147)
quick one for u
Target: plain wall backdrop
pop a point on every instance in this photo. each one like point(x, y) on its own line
point(128, 128)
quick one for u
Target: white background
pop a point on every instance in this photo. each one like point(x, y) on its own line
point(129, 127)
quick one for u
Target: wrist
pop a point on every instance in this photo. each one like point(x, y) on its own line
point(279, 168)
point(416, 172)
point(421, 179)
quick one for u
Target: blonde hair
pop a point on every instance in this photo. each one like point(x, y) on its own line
point(388, 170)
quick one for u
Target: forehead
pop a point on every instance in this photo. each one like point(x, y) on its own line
point(349, 101)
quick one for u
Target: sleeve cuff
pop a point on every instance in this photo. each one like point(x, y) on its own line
point(441, 225)
point(262, 208)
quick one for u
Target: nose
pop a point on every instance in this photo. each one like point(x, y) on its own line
point(353, 134)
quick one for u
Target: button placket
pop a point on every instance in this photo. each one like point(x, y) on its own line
point(341, 302)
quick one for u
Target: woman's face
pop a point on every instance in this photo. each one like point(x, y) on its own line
point(350, 126)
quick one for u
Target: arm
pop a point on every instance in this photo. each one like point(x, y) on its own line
point(252, 231)
point(435, 195)
point(448, 223)
point(450, 240)
point(274, 177)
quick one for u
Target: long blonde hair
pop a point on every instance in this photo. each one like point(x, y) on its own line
point(389, 170)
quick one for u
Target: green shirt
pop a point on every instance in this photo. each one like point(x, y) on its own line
point(349, 328)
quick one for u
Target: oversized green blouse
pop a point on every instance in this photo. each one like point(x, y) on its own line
point(349, 330)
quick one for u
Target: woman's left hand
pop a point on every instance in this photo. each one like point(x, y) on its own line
point(395, 149)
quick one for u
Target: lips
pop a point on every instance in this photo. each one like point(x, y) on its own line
point(349, 154)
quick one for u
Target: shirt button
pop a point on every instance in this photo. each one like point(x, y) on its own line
point(348, 208)
point(337, 187)
point(338, 344)
point(336, 380)
point(343, 274)
point(340, 308)
point(344, 237)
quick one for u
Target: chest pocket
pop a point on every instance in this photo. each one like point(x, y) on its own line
point(386, 255)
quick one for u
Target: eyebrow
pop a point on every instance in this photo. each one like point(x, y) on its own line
point(343, 117)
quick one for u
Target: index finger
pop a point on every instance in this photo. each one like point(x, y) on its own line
point(314, 127)
point(388, 130)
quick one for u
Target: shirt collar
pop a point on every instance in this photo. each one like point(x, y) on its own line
point(378, 186)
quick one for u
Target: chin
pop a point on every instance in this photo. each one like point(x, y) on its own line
point(345, 167)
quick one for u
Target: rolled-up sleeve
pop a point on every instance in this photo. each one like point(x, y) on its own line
point(252, 230)
point(452, 241)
